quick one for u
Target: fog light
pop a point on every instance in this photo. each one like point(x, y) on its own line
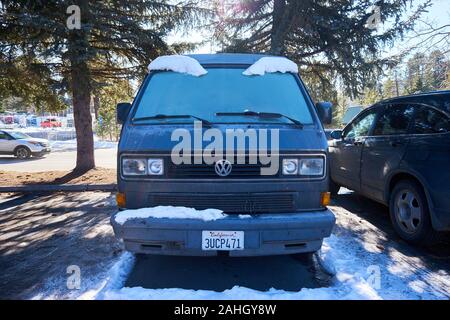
point(325, 198)
point(121, 200)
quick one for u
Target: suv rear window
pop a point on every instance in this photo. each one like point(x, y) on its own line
point(395, 119)
point(428, 120)
point(223, 90)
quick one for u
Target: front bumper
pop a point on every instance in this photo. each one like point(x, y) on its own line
point(264, 234)
point(41, 152)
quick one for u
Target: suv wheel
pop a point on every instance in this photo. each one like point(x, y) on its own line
point(410, 216)
point(22, 153)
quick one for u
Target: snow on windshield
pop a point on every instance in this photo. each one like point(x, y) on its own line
point(178, 63)
point(271, 65)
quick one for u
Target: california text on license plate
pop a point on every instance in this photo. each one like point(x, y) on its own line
point(222, 240)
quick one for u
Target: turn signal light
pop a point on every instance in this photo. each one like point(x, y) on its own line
point(325, 198)
point(121, 200)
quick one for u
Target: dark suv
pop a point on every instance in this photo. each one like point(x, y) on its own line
point(397, 152)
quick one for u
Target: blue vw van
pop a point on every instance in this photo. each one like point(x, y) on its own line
point(268, 207)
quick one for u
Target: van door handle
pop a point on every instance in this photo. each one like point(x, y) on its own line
point(396, 143)
point(357, 143)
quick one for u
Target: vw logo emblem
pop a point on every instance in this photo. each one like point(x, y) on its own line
point(223, 167)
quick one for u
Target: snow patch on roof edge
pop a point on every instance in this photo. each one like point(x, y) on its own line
point(178, 63)
point(271, 65)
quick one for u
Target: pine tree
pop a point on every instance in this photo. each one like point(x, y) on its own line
point(337, 36)
point(115, 39)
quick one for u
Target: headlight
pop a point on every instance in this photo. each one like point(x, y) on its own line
point(311, 167)
point(155, 166)
point(290, 166)
point(134, 167)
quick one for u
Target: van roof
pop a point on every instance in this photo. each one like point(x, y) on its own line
point(228, 58)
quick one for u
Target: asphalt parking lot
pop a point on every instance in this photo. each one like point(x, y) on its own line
point(61, 161)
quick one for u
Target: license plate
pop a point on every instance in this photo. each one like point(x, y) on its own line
point(223, 240)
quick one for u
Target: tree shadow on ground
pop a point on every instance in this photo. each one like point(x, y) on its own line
point(42, 235)
point(419, 267)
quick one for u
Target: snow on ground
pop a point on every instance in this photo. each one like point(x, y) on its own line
point(365, 265)
point(271, 65)
point(70, 145)
point(178, 63)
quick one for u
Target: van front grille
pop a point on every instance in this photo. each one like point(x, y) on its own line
point(205, 171)
point(245, 203)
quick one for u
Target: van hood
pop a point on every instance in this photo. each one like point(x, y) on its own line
point(157, 138)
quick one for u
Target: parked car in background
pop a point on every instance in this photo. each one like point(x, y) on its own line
point(397, 152)
point(32, 121)
point(21, 145)
point(51, 123)
point(7, 119)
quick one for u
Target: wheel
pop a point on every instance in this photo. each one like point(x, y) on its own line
point(334, 187)
point(410, 216)
point(22, 153)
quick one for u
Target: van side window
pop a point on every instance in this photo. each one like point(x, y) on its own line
point(3, 136)
point(428, 120)
point(360, 127)
point(394, 120)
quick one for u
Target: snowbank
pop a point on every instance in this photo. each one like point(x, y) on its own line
point(71, 145)
point(171, 213)
point(178, 63)
point(271, 65)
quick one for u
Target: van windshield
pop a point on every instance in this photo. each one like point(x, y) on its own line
point(223, 90)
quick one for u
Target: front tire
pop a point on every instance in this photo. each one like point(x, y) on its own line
point(410, 215)
point(22, 153)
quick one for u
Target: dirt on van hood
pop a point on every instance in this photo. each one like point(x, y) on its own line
point(94, 176)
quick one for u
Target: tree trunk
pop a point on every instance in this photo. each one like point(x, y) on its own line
point(81, 93)
point(78, 53)
point(276, 37)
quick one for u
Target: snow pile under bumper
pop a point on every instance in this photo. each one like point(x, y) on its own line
point(264, 234)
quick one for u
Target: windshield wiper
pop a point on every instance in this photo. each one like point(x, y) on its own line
point(267, 115)
point(174, 116)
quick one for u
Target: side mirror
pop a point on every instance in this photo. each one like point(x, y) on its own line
point(336, 134)
point(122, 110)
point(325, 111)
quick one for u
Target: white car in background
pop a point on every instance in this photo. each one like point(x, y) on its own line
point(22, 145)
